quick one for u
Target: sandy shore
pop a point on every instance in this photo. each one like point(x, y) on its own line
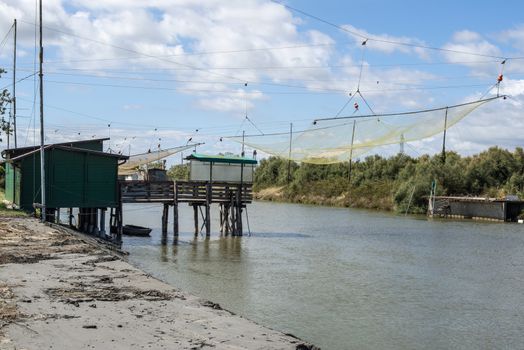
point(61, 291)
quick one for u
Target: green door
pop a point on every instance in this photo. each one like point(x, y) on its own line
point(18, 177)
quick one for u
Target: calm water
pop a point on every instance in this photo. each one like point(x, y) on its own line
point(352, 279)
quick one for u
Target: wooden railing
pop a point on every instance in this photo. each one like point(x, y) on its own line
point(138, 191)
point(221, 192)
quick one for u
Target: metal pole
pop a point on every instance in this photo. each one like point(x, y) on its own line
point(444, 138)
point(289, 157)
point(14, 86)
point(42, 157)
point(351, 151)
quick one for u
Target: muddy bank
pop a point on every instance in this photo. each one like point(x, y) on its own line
point(357, 198)
point(57, 291)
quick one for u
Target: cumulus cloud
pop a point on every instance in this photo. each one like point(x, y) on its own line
point(210, 49)
point(485, 53)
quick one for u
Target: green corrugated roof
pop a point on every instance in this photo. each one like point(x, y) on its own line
point(221, 159)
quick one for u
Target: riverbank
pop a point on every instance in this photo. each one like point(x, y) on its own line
point(357, 198)
point(61, 291)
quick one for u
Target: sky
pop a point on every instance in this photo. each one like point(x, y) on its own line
point(162, 72)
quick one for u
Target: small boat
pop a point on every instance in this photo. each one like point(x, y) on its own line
point(134, 230)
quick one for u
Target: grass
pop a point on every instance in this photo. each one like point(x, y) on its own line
point(4, 211)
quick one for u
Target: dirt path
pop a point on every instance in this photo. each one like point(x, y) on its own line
point(59, 292)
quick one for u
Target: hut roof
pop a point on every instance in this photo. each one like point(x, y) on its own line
point(221, 159)
point(15, 152)
point(66, 148)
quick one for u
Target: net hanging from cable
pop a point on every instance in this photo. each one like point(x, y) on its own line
point(332, 140)
point(135, 161)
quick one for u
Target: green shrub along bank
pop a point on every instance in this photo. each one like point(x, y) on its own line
point(388, 183)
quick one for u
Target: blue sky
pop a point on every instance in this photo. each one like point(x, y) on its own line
point(132, 65)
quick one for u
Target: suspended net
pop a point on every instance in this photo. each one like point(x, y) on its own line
point(335, 140)
point(135, 161)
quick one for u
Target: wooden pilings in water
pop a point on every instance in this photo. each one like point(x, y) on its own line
point(200, 195)
point(230, 219)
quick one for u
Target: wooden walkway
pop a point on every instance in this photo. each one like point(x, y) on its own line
point(231, 197)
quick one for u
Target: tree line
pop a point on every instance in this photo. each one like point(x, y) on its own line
point(395, 182)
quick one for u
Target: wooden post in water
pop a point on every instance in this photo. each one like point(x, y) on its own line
point(165, 215)
point(175, 215)
point(238, 214)
point(195, 217)
point(208, 209)
point(221, 206)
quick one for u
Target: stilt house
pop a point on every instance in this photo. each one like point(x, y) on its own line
point(78, 175)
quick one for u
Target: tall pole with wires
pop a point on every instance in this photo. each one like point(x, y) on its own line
point(42, 157)
point(14, 85)
point(444, 138)
point(289, 156)
point(351, 152)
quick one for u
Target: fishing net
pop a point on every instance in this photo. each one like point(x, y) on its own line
point(334, 140)
point(135, 161)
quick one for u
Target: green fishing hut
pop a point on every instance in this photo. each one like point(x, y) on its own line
point(77, 175)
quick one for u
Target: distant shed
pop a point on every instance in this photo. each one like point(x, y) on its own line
point(221, 168)
point(506, 209)
point(78, 175)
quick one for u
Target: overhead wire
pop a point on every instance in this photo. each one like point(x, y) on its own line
point(393, 42)
point(138, 52)
point(6, 37)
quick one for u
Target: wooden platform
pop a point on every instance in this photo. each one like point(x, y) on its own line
point(231, 197)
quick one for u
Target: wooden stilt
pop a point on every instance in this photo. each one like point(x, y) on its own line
point(232, 218)
point(175, 220)
point(102, 226)
point(227, 222)
point(165, 215)
point(238, 208)
point(208, 209)
point(70, 217)
point(120, 225)
point(195, 216)
point(175, 214)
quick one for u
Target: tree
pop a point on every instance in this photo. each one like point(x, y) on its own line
point(179, 172)
point(4, 100)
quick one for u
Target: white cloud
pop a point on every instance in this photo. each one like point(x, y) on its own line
point(179, 32)
point(236, 102)
point(484, 52)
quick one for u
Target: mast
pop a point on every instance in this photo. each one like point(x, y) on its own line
point(444, 137)
point(289, 157)
point(42, 157)
point(351, 152)
point(14, 85)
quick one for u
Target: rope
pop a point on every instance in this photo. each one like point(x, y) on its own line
point(256, 127)
point(345, 105)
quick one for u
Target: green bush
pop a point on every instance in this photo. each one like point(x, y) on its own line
point(387, 183)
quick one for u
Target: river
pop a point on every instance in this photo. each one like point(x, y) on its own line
point(351, 279)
